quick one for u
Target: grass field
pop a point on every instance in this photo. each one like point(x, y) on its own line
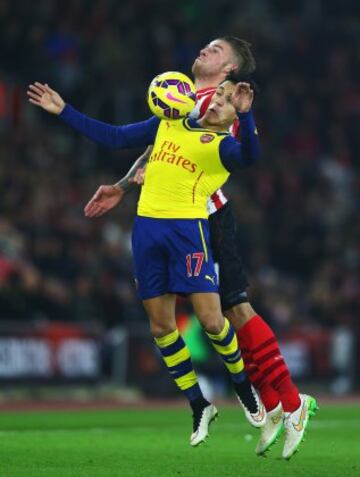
point(154, 442)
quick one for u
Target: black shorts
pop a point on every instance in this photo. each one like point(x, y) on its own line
point(232, 278)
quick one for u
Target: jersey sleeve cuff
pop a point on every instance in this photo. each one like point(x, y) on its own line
point(245, 116)
point(67, 112)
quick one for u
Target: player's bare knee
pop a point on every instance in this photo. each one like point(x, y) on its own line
point(160, 329)
point(213, 323)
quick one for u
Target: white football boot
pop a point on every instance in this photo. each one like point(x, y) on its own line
point(257, 419)
point(295, 424)
point(271, 431)
point(202, 420)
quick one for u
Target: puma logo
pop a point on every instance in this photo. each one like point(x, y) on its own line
point(211, 279)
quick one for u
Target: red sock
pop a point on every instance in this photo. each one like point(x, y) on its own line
point(260, 341)
point(268, 395)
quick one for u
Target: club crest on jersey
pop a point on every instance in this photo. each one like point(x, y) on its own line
point(205, 138)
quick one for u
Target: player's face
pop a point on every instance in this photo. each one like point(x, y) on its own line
point(221, 111)
point(215, 58)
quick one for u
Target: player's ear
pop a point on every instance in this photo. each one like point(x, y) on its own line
point(228, 68)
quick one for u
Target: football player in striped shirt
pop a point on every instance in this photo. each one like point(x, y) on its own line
point(264, 363)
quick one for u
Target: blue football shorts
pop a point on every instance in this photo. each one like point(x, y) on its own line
point(172, 256)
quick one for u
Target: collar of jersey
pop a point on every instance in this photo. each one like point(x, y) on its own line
point(191, 124)
point(205, 91)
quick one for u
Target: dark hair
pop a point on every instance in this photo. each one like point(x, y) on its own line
point(243, 54)
point(237, 77)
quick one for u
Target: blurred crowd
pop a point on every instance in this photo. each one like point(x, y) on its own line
point(296, 209)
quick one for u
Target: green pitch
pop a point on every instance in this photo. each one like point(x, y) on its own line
point(155, 442)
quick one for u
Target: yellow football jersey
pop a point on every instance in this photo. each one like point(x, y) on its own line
point(183, 171)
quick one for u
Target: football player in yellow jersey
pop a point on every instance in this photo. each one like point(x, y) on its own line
point(170, 236)
point(264, 362)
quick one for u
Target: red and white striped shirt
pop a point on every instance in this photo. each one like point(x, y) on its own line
point(203, 98)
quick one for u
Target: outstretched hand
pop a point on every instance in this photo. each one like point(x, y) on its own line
point(104, 199)
point(243, 97)
point(45, 97)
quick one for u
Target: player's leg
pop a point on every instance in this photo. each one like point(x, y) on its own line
point(152, 276)
point(296, 409)
point(234, 299)
point(270, 375)
point(267, 369)
point(258, 339)
point(264, 363)
point(193, 273)
point(223, 337)
point(176, 355)
point(240, 314)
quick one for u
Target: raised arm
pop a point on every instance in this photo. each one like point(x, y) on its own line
point(139, 134)
point(245, 152)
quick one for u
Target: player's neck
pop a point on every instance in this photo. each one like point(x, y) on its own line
point(204, 124)
point(208, 81)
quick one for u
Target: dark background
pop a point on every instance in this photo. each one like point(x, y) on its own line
point(296, 209)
